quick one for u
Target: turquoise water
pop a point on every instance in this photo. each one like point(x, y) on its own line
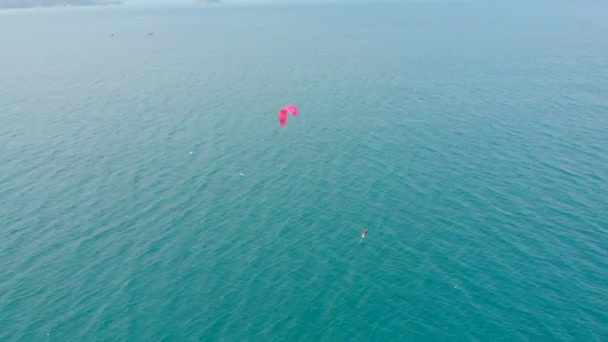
point(147, 192)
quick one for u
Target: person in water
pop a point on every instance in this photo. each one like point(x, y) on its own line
point(364, 234)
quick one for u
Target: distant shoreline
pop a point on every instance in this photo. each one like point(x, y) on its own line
point(17, 4)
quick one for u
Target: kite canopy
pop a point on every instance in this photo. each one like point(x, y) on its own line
point(283, 113)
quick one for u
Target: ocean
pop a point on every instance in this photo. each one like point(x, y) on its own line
point(148, 193)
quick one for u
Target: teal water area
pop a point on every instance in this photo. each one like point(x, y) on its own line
point(147, 192)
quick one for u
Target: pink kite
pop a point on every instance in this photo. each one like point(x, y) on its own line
point(286, 110)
